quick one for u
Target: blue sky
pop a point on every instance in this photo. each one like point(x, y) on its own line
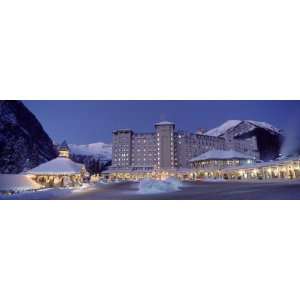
point(92, 121)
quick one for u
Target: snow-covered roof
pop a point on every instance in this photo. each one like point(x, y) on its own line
point(164, 123)
point(264, 125)
point(221, 154)
point(233, 123)
point(17, 183)
point(59, 165)
point(223, 128)
point(97, 150)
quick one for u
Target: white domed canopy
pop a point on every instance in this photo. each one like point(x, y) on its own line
point(58, 166)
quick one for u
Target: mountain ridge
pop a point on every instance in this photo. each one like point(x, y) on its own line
point(24, 143)
point(98, 150)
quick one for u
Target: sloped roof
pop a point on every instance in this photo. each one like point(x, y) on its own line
point(223, 128)
point(233, 123)
point(221, 154)
point(264, 125)
point(59, 165)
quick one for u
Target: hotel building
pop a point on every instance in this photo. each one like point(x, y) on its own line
point(163, 150)
point(168, 152)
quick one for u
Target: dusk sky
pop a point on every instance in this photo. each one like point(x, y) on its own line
point(83, 122)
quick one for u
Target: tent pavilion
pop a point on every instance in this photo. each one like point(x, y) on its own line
point(59, 172)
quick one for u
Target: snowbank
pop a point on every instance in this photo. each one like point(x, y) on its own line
point(150, 186)
point(17, 183)
point(46, 194)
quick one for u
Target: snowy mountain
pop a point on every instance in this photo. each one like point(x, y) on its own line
point(23, 142)
point(96, 150)
point(218, 131)
point(95, 156)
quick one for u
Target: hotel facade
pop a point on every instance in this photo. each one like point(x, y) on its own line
point(165, 151)
point(169, 152)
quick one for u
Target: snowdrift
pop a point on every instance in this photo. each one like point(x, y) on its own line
point(150, 186)
point(46, 194)
point(17, 183)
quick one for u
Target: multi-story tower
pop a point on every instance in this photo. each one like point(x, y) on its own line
point(144, 150)
point(122, 148)
point(163, 149)
point(167, 151)
point(165, 144)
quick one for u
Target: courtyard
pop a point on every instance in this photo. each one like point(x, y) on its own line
point(199, 190)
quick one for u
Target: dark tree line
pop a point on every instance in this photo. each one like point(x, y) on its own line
point(92, 164)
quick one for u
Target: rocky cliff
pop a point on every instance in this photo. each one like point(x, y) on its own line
point(23, 142)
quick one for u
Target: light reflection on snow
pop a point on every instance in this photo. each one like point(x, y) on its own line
point(82, 188)
point(150, 186)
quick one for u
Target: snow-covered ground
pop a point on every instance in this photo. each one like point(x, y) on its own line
point(47, 194)
point(196, 190)
point(150, 186)
point(97, 150)
point(212, 179)
point(17, 183)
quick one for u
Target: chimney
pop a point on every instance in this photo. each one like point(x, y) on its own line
point(201, 131)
